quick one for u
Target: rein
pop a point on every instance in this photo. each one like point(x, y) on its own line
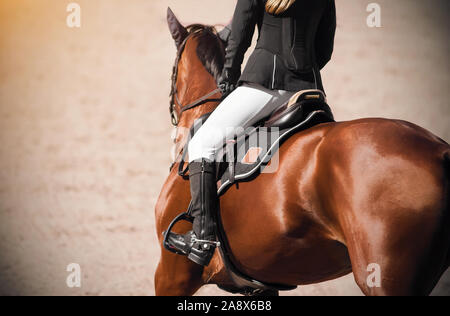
point(200, 101)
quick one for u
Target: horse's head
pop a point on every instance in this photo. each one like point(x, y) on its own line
point(199, 63)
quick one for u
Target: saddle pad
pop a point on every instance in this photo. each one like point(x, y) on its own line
point(256, 151)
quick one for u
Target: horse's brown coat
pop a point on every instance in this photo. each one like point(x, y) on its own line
point(346, 195)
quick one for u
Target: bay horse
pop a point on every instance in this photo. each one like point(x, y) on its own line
point(346, 196)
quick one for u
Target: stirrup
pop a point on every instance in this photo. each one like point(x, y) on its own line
point(182, 217)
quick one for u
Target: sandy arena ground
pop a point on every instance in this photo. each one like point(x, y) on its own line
point(85, 131)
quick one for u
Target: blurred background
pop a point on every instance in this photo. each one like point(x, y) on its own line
point(85, 130)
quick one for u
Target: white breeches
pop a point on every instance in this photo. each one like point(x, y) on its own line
point(245, 106)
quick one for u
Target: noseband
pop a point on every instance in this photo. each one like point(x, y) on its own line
point(174, 100)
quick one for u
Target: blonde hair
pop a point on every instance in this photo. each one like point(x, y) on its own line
point(278, 6)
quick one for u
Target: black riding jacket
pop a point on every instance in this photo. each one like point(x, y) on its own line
point(291, 48)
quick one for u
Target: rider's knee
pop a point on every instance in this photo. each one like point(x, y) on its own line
point(199, 149)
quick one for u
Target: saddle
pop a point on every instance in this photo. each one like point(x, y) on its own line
point(250, 153)
point(256, 151)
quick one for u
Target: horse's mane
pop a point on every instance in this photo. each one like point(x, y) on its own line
point(210, 49)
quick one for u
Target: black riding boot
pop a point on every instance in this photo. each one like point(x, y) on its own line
point(199, 245)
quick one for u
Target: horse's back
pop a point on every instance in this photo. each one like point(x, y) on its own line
point(387, 190)
point(384, 161)
point(346, 194)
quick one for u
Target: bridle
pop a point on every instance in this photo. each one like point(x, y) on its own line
point(174, 100)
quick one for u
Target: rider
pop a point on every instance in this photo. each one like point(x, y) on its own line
point(296, 39)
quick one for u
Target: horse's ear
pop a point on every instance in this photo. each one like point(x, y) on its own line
point(177, 30)
point(224, 35)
